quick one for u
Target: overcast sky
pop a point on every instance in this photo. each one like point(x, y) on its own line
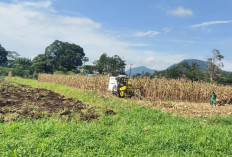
point(154, 33)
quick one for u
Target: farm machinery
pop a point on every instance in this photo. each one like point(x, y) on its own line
point(121, 86)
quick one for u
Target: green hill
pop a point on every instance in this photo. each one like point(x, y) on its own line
point(202, 64)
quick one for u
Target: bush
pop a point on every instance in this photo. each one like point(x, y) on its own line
point(4, 71)
point(71, 73)
point(15, 72)
point(224, 80)
point(35, 75)
point(59, 72)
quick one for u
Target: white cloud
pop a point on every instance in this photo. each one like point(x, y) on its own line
point(227, 65)
point(155, 60)
point(180, 11)
point(29, 30)
point(210, 23)
point(147, 34)
point(149, 59)
point(41, 4)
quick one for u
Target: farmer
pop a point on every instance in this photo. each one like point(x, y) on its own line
point(213, 99)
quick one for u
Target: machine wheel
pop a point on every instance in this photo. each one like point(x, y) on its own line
point(121, 94)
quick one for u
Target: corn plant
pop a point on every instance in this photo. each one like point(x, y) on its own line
point(152, 89)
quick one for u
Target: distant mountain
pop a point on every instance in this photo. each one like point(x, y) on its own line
point(201, 64)
point(139, 70)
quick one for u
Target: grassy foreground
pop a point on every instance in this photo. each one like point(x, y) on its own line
point(133, 131)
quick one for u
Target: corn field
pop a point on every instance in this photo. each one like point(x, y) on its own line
point(151, 89)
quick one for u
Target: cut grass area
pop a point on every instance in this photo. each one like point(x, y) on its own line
point(133, 131)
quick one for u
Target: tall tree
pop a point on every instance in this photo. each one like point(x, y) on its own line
point(110, 65)
point(64, 56)
point(116, 65)
point(3, 55)
point(102, 64)
point(214, 64)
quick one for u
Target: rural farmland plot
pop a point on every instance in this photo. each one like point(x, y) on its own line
point(36, 121)
point(176, 96)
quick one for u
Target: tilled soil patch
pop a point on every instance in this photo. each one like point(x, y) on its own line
point(22, 101)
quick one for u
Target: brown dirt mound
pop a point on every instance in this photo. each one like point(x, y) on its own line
point(21, 101)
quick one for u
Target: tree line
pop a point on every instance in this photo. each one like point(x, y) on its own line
point(58, 58)
point(192, 71)
point(66, 58)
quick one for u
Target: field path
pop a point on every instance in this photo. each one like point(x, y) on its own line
point(189, 109)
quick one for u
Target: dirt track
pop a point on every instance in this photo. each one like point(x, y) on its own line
point(21, 101)
point(189, 109)
point(196, 109)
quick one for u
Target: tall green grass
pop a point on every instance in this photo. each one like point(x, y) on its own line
point(133, 131)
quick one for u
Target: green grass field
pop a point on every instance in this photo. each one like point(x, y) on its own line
point(133, 131)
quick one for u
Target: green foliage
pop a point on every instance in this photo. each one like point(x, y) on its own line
point(102, 63)
point(15, 72)
point(59, 56)
point(4, 71)
point(59, 72)
point(183, 69)
point(35, 75)
point(64, 73)
point(22, 63)
point(89, 69)
point(21, 73)
point(110, 65)
point(82, 73)
point(3, 56)
point(22, 67)
point(71, 73)
point(138, 75)
point(224, 80)
point(64, 54)
point(146, 74)
point(133, 131)
point(41, 64)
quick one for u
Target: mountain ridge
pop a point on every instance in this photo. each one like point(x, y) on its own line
point(202, 64)
point(143, 69)
point(139, 70)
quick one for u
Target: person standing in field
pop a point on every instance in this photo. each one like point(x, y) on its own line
point(213, 99)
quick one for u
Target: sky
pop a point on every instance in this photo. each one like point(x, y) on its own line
point(152, 33)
